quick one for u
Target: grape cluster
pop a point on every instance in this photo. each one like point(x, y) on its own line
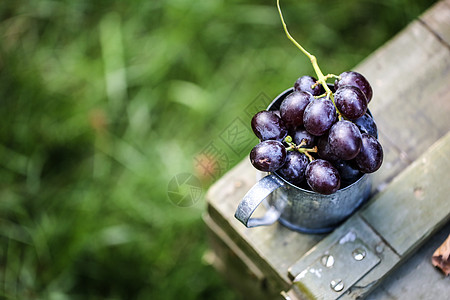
point(322, 137)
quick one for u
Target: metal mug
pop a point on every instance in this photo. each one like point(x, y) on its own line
point(297, 208)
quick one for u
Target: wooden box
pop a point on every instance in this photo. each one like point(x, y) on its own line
point(405, 220)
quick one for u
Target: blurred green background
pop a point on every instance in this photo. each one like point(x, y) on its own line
point(103, 103)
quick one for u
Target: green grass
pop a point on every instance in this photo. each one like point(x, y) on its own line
point(102, 103)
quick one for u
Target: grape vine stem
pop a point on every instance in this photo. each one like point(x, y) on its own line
point(322, 79)
point(294, 147)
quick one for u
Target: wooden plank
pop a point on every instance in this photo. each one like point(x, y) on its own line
point(396, 222)
point(439, 22)
point(236, 267)
point(410, 76)
point(417, 202)
point(417, 278)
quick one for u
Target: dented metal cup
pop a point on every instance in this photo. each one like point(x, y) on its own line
point(297, 208)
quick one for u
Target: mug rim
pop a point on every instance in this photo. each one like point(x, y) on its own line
point(277, 98)
point(312, 192)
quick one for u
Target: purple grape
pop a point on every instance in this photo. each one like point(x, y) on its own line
point(366, 124)
point(268, 126)
point(357, 80)
point(300, 134)
point(348, 171)
point(304, 84)
point(294, 168)
point(268, 156)
point(345, 140)
point(319, 116)
point(370, 158)
point(292, 108)
point(322, 177)
point(324, 148)
point(351, 102)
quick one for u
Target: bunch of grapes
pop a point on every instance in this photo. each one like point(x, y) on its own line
point(322, 134)
point(328, 139)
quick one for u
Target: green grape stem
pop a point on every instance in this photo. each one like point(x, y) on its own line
point(309, 155)
point(294, 147)
point(320, 96)
point(328, 76)
point(322, 79)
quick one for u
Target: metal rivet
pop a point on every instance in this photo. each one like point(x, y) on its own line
point(327, 260)
point(337, 285)
point(359, 254)
point(379, 248)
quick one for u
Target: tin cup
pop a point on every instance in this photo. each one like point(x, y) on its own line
point(297, 208)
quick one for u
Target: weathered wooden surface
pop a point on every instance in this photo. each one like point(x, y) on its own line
point(229, 259)
point(417, 200)
point(438, 22)
point(410, 76)
point(417, 276)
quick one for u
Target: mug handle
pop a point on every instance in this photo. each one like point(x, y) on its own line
point(253, 199)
